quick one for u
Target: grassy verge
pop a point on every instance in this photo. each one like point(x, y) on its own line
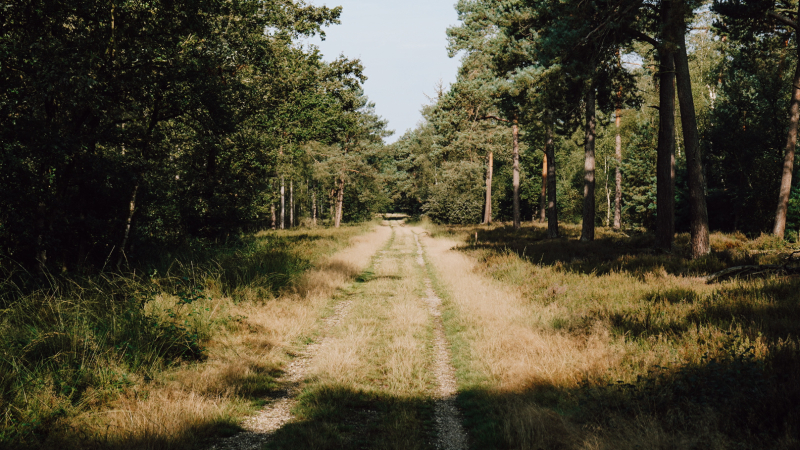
point(164, 358)
point(369, 385)
point(609, 345)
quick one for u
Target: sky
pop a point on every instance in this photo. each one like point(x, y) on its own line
point(403, 47)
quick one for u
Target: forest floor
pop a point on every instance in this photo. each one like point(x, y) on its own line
point(530, 343)
point(417, 336)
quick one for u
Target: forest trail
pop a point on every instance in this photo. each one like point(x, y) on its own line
point(384, 339)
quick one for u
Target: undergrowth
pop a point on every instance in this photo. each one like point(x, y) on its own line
point(72, 346)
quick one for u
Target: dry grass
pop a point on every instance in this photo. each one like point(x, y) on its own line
point(247, 333)
point(609, 345)
point(369, 384)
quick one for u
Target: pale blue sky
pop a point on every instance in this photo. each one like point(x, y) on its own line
point(403, 46)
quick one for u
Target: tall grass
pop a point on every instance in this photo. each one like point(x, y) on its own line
point(80, 355)
point(612, 345)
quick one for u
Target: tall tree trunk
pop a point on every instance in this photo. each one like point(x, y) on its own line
point(339, 203)
point(618, 169)
point(515, 176)
point(131, 210)
point(272, 211)
point(314, 207)
point(788, 158)
point(587, 230)
point(552, 206)
point(41, 230)
point(665, 159)
point(691, 139)
point(487, 213)
point(283, 204)
point(543, 194)
point(291, 203)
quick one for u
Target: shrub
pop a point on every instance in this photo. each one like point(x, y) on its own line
point(457, 198)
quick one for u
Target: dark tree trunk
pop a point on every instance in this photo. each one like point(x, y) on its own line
point(665, 163)
point(131, 210)
point(618, 169)
point(272, 211)
point(291, 203)
point(697, 196)
point(543, 194)
point(487, 213)
point(587, 231)
point(788, 159)
point(515, 176)
point(552, 206)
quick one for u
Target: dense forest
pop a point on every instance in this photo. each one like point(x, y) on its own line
point(591, 89)
point(127, 128)
point(130, 126)
point(180, 178)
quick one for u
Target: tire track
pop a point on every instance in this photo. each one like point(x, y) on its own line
point(260, 427)
point(450, 432)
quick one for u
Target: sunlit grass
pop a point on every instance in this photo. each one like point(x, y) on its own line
point(612, 345)
point(163, 358)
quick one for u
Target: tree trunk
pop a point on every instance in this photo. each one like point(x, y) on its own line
point(543, 195)
point(788, 159)
point(515, 176)
point(587, 231)
point(314, 207)
point(487, 213)
point(291, 203)
point(691, 140)
point(339, 203)
point(618, 170)
point(552, 207)
point(665, 159)
point(283, 204)
point(127, 233)
point(272, 211)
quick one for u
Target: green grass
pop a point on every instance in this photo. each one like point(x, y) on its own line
point(72, 344)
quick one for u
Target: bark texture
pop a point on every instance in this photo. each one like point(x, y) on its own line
point(487, 212)
point(788, 158)
point(543, 194)
point(618, 169)
point(339, 203)
point(291, 203)
point(314, 207)
point(587, 229)
point(665, 159)
point(552, 207)
point(283, 203)
point(126, 235)
point(515, 175)
point(697, 197)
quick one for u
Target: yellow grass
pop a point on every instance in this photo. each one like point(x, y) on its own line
point(538, 340)
point(246, 348)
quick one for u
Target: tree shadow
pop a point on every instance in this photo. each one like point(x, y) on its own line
point(736, 400)
point(609, 252)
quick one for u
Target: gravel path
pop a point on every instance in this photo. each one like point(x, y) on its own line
point(450, 433)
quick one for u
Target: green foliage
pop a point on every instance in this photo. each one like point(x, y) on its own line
point(458, 196)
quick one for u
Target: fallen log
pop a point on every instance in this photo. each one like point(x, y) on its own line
point(750, 270)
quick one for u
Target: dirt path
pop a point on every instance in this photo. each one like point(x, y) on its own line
point(384, 342)
point(261, 426)
point(450, 431)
